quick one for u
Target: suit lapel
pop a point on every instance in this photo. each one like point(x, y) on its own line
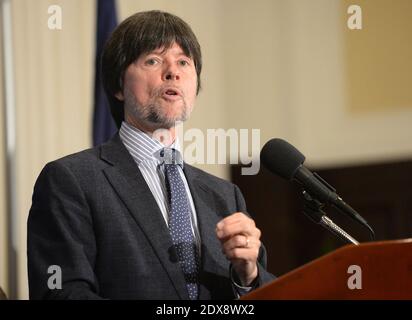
point(213, 262)
point(127, 180)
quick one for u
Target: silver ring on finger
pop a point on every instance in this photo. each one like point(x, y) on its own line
point(247, 242)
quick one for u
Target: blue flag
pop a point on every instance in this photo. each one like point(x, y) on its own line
point(103, 124)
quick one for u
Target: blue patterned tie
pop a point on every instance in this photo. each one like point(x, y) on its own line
point(180, 225)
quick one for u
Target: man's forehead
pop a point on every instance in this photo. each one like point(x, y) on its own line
point(174, 47)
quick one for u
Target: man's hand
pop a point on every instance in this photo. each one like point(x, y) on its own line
point(240, 241)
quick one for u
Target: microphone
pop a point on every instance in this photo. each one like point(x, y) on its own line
point(283, 159)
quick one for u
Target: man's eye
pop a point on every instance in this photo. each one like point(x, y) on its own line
point(183, 63)
point(151, 62)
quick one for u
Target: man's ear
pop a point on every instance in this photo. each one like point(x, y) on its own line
point(119, 96)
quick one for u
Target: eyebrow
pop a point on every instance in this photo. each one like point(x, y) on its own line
point(161, 52)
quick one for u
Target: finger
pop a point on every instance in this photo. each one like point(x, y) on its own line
point(229, 231)
point(238, 241)
point(245, 227)
point(246, 254)
point(233, 218)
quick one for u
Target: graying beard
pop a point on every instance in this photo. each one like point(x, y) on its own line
point(154, 118)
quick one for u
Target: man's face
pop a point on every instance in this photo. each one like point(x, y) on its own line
point(159, 89)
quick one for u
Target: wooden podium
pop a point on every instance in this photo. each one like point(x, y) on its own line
point(386, 273)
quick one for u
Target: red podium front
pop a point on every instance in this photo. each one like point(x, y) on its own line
point(373, 270)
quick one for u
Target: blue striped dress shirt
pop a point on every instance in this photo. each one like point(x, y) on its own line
point(146, 153)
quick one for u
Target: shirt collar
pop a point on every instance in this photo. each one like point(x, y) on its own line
point(143, 147)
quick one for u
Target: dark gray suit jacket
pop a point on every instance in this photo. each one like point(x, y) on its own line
point(94, 216)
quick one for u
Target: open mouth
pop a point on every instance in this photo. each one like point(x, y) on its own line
point(171, 92)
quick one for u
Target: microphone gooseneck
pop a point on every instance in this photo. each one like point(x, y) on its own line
point(284, 160)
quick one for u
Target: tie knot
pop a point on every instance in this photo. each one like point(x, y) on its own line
point(170, 156)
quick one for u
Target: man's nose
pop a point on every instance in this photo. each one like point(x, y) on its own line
point(171, 73)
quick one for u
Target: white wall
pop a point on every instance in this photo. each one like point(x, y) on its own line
point(3, 217)
point(328, 132)
point(285, 74)
point(53, 74)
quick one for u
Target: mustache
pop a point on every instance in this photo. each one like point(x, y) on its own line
point(158, 92)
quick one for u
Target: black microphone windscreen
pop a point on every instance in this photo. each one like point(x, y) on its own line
point(281, 158)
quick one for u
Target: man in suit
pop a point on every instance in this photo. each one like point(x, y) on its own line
point(129, 219)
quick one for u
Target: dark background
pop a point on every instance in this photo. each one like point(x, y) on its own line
point(381, 193)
